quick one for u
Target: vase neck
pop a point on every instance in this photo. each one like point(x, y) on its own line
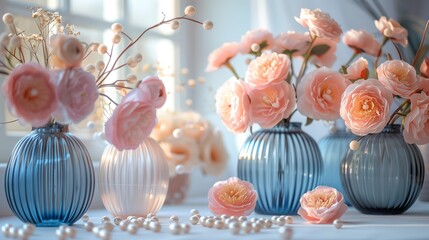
point(392, 128)
point(51, 128)
point(289, 125)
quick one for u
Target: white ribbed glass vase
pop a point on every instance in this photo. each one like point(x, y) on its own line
point(133, 182)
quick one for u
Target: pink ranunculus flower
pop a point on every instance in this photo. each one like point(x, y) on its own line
point(362, 41)
point(68, 51)
point(77, 93)
point(416, 124)
point(399, 77)
point(424, 68)
point(132, 120)
point(233, 105)
point(222, 55)
point(328, 58)
point(258, 36)
point(268, 69)
point(322, 205)
point(357, 70)
point(157, 90)
point(291, 41)
point(424, 84)
point(365, 106)
point(319, 94)
point(30, 94)
point(272, 103)
point(393, 30)
point(233, 197)
point(320, 24)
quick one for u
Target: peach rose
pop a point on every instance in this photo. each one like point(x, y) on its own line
point(328, 58)
point(77, 93)
point(319, 94)
point(424, 68)
point(157, 90)
point(362, 41)
point(233, 105)
point(291, 42)
point(30, 94)
point(399, 77)
point(272, 103)
point(365, 106)
point(132, 120)
point(320, 24)
point(416, 124)
point(180, 151)
point(222, 55)
point(68, 51)
point(393, 30)
point(268, 69)
point(232, 197)
point(357, 70)
point(423, 84)
point(322, 205)
point(261, 37)
point(164, 126)
point(213, 154)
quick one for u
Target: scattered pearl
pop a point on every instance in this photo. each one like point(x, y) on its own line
point(96, 230)
point(116, 38)
point(22, 234)
point(29, 228)
point(194, 220)
point(131, 62)
point(155, 226)
point(61, 233)
point(129, 218)
point(117, 220)
point(105, 219)
point(85, 218)
point(13, 232)
point(175, 25)
point(194, 212)
point(234, 227)
point(218, 224)
point(154, 218)
point(186, 228)
point(209, 222)
point(131, 78)
point(175, 228)
point(149, 215)
point(289, 220)
point(180, 169)
point(174, 218)
point(123, 225)
point(146, 224)
point(242, 219)
point(338, 223)
point(8, 18)
point(70, 231)
point(104, 234)
point(354, 145)
point(5, 230)
point(234, 218)
point(224, 217)
point(140, 221)
point(246, 226)
point(192, 83)
point(253, 219)
point(94, 47)
point(102, 49)
point(100, 65)
point(274, 219)
point(177, 133)
point(116, 27)
point(190, 11)
point(207, 25)
point(108, 226)
point(286, 232)
point(132, 229)
point(281, 221)
point(268, 223)
point(257, 227)
point(255, 47)
point(89, 226)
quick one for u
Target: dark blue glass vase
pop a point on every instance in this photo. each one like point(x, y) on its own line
point(385, 174)
point(282, 163)
point(49, 178)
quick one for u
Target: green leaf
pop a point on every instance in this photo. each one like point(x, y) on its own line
point(319, 49)
point(344, 69)
point(308, 121)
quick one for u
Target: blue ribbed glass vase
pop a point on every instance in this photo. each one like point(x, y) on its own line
point(49, 178)
point(334, 147)
point(282, 163)
point(385, 174)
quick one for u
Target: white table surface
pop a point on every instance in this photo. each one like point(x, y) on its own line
point(413, 224)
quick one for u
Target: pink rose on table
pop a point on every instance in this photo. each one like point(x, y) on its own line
point(257, 36)
point(322, 205)
point(232, 197)
point(357, 70)
point(30, 94)
point(319, 94)
point(268, 69)
point(157, 90)
point(68, 51)
point(291, 41)
point(77, 93)
point(222, 55)
point(365, 106)
point(320, 24)
point(362, 41)
point(393, 30)
point(424, 68)
point(233, 105)
point(272, 103)
point(132, 120)
point(327, 58)
point(399, 77)
point(416, 124)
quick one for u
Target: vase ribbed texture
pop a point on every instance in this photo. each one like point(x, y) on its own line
point(424, 194)
point(282, 163)
point(49, 179)
point(333, 148)
point(133, 182)
point(385, 175)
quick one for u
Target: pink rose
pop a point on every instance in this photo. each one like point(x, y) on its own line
point(357, 70)
point(328, 58)
point(77, 93)
point(222, 55)
point(292, 42)
point(272, 103)
point(322, 205)
point(393, 30)
point(232, 197)
point(233, 105)
point(268, 69)
point(259, 36)
point(424, 68)
point(30, 94)
point(319, 94)
point(416, 124)
point(157, 90)
point(132, 120)
point(399, 77)
point(365, 106)
point(320, 24)
point(68, 51)
point(362, 41)
point(423, 84)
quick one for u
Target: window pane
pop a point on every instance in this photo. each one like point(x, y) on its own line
point(49, 4)
point(149, 12)
point(108, 10)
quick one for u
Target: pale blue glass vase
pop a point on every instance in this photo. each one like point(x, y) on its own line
point(49, 178)
point(282, 163)
point(385, 174)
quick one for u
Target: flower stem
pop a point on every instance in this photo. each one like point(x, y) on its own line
point(231, 68)
point(306, 58)
point(385, 39)
point(400, 111)
point(351, 59)
point(416, 57)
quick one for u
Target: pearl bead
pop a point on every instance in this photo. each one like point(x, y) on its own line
point(134, 221)
point(175, 228)
point(8, 18)
point(254, 219)
point(246, 226)
point(207, 25)
point(209, 222)
point(256, 227)
point(186, 228)
point(129, 218)
point(149, 215)
point(96, 230)
point(22, 233)
point(255, 47)
point(354, 145)
point(146, 224)
point(85, 218)
point(104, 234)
point(140, 221)
point(242, 219)
point(13, 232)
point(224, 217)
point(5, 229)
point(105, 219)
point(60, 232)
point(234, 218)
point(175, 25)
point(108, 226)
point(203, 219)
point(190, 11)
point(88, 226)
point(286, 232)
point(155, 226)
point(281, 221)
point(132, 229)
point(338, 223)
point(194, 220)
point(194, 212)
point(29, 228)
point(174, 218)
point(289, 220)
point(116, 27)
point(70, 231)
point(117, 220)
point(218, 224)
point(154, 218)
point(268, 223)
point(234, 227)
